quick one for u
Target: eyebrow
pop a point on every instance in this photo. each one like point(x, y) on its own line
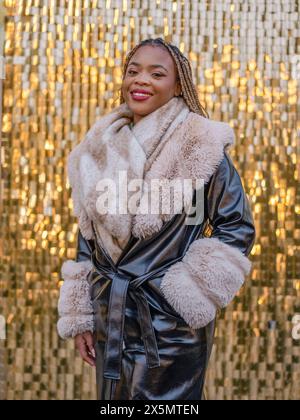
point(151, 65)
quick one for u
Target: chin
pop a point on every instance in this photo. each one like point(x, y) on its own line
point(140, 109)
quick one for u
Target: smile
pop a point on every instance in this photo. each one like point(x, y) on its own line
point(140, 96)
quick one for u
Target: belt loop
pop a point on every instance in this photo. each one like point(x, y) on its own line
point(148, 333)
point(115, 327)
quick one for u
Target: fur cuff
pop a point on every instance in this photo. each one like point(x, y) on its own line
point(70, 326)
point(74, 303)
point(208, 277)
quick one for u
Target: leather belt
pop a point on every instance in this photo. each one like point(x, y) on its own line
point(121, 282)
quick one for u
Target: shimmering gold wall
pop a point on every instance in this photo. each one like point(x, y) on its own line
point(63, 70)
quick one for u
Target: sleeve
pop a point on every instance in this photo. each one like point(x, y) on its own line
point(214, 268)
point(74, 304)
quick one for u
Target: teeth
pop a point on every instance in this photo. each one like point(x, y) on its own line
point(141, 94)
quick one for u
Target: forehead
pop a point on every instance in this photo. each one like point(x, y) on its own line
point(148, 55)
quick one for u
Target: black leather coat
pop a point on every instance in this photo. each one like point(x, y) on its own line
point(144, 348)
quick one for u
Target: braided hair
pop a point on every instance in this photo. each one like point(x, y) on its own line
point(184, 70)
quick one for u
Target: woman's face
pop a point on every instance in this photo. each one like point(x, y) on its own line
point(151, 69)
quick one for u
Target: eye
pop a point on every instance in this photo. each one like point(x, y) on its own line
point(154, 74)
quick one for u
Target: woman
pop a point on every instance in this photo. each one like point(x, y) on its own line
point(142, 296)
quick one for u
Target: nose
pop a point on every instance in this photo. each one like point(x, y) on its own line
point(142, 83)
point(142, 79)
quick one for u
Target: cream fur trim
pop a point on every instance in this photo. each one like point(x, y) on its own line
point(70, 326)
point(194, 151)
point(74, 304)
point(207, 278)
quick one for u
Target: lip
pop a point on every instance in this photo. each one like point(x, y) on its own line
point(140, 98)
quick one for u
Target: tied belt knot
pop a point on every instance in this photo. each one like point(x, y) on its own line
point(121, 282)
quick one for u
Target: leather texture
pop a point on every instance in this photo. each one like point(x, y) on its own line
point(144, 348)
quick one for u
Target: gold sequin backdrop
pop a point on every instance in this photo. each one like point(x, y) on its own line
point(62, 71)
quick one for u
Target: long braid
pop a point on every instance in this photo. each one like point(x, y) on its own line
point(184, 70)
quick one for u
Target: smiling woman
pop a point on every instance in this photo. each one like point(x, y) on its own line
point(148, 285)
point(154, 72)
point(147, 85)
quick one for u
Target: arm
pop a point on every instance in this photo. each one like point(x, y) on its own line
point(74, 304)
point(214, 268)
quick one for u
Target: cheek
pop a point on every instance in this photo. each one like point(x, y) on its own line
point(124, 86)
point(165, 86)
point(171, 83)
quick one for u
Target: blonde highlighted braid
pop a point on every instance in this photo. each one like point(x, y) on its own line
point(184, 71)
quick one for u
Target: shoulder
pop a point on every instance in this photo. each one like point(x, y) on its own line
point(226, 175)
point(226, 165)
point(204, 144)
point(210, 130)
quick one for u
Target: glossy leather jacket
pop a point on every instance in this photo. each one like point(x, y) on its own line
point(137, 332)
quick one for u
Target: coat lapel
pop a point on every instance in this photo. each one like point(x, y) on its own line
point(194, 152)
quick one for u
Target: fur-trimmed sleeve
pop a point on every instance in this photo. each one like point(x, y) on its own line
point(74, 304)
point(214, 268)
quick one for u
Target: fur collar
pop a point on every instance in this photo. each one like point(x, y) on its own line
point(194, 152)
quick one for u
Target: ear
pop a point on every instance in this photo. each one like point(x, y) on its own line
point(178, 90)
